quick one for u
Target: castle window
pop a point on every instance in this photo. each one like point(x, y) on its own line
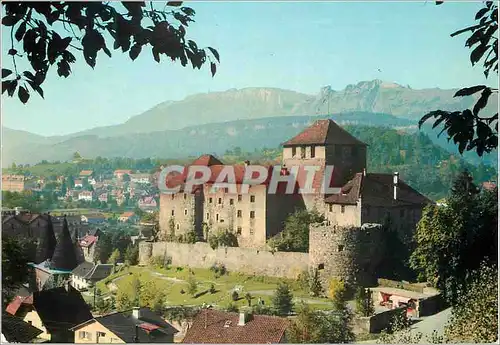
point(231, 201)
point(185, 212)
point(251, 231)
point(185, 196)
point(217, 217)
point(208, 215)
point(222, 220)
point(294, 151)
point(252, 214)
point(238, 230)
point(238, 214)
point(330, 207)
point(340, 248)
point(210, 200)
point(173, 212)
point(239, 197)
point(342, 209)
point(220, 201)
point(321, 267)
point(173, 196)
point(402, 213)
point(313, 151)
point(252, 198)
point(303, 152)
point(178, 226)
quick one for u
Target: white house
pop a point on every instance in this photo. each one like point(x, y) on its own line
point(87, 273)
point(85, 195)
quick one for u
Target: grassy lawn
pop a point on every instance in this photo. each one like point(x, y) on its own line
point(172, 281)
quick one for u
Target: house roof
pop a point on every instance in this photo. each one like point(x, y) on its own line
point(60, 308)
point(323, 132)
point(46, 243)
point(123, 324)
point(86, 172)
point(489, 185)
point(87, 241)
point(64, 257)
point(127, 214)
point(17, 302)
point(94, 216)
point(208, 327)
point(15, 330)
point(377, 190)
point(207, 160)
point(90, 271)
point(123, 171)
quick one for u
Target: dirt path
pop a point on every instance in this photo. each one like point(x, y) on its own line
point(296, 299)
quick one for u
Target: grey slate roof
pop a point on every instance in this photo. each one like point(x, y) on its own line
point(47, 242)
point(123, 324)
point(15, 330)
point(64, 257)
point(90, 271)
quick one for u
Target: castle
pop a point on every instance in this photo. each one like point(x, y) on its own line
point(256, 216)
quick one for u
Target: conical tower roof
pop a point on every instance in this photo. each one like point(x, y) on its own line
point(46, 242)
point(64, 257)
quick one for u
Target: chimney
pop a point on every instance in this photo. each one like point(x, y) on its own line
point(364, 172)
point(395, 183)
point(136, 313)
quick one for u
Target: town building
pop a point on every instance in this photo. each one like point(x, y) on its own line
point(147, 203)
point(12, 183)
point(78, 183)
point(103, 197)
point(88, 273)
point(139, 325)
point(127, 217)
point(85, 195)
point(16, 330)
point(86, 174)
point(119, 173)
point(219, 327)
point(258, 215)
point(53, 311)
point(93, 218)
point(140, 178)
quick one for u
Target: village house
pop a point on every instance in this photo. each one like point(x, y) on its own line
point(120, 199)
point(53, 311)
point(86, 174)
point(85, 195)
point(219, 327)
point(88, 244)
point(147, 203)
point(489, 185)
point(92, 181)
point(12, 183)
point(89, 273)
point(23, 224)
point(103, 197)
point(140, 178)
point(258, 215)
point(15, 330)
point(78, 183)
point(127, 217)
point(119, 173)
point(139, 325)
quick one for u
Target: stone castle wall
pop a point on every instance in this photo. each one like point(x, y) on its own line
point(244, 260)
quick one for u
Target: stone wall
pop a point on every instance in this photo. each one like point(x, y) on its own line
point(244, 260)
point(375, 323)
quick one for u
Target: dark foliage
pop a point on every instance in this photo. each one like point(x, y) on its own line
point(49, 35)
point(467, 128)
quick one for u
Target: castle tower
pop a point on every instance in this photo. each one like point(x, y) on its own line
point(326, 143)
point(46, 243)
point(64, 258)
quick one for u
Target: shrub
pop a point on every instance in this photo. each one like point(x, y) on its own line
point(364, 302)
point(337, 293)
point(283, 299)
point(218, 270)
point(223, 238)
point(157, 261)
point(248, 297)
point(192, 285)
point(183, 292)
point(315, 288)
point(235, 296)
point(232, 308)
point(212, 289)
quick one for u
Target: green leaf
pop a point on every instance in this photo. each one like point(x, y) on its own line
point(215, 53)
point(23, 94)
point(478, 53)
point(10, 20)
point(174, 3)
point(135, 51)
point(35, 87)
point(481, 13)
point(482, 101)
point(12, 87)
point(6, 72)
point(467, 91)
point(20, 31)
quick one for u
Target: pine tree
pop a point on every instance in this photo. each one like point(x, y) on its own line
point(283, 299)
point(315, 288)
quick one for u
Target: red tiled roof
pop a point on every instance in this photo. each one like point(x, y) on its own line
point(122, 171)
point(323, 132)
point(86, 172)
point(127, 214)
point(489, 185)
point(148, 326)
point(209, 328)
point(207, 160)
point(87, 241)
point(14, 306)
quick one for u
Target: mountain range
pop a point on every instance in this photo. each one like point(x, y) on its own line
point(249, 118)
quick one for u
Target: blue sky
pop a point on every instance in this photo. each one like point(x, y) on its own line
point(301, 46)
